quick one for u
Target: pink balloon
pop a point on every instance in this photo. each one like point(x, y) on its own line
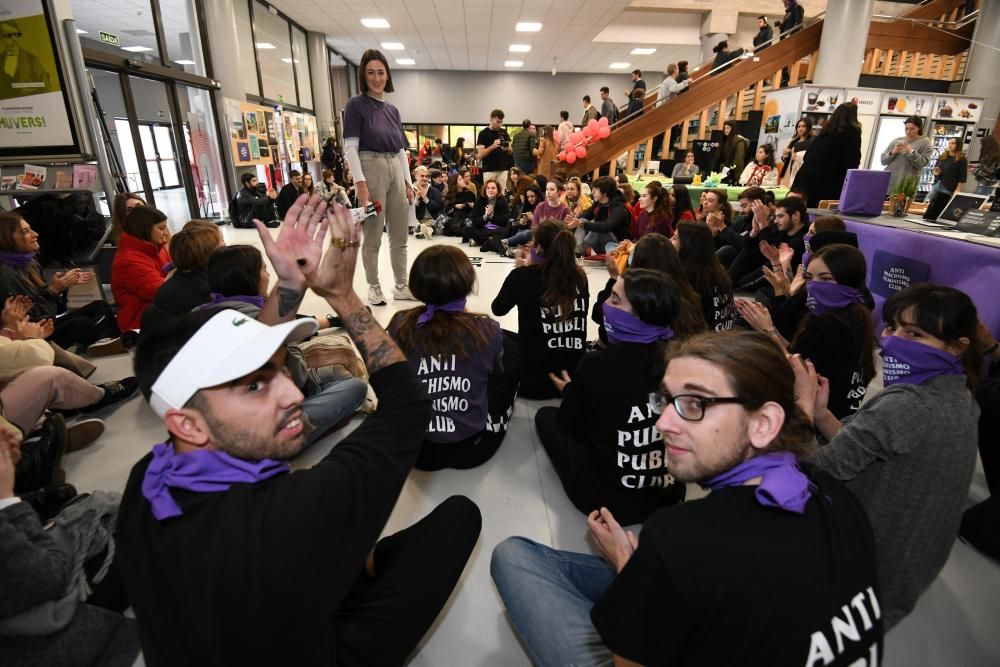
point(592, 123)
point(570, 158)
point(581, 151)
point(603, 122)
point(604, 132)
point(561, 156)
point(589, 131)
point(576, 137)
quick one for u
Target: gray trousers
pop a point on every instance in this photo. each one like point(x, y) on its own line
point(386, 185)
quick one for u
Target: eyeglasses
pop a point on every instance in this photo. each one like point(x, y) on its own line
point(689, 407)
point(11, 35)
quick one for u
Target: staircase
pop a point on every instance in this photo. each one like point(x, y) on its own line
point(711, 94)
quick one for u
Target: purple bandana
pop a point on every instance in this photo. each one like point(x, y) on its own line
point(782, 485)
point(625, 327)
point(825, 296)
point(909, 362)
point(808, 253)
point(203, 471)
point(17, 260)
point(252, 300)
point(535, 257)
point(456, 306)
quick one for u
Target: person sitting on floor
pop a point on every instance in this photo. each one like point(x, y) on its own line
point(835, 334)
point(551, 296)
point(458, 203)
point(791, 219)
point(254, 202)
point(603, 443)
point(680, 200)
point(466, 364)
point(607, 222)
point(91, 326)
point(918, 433)
point(289, 193)
point(124, 202)
point(188, 287)
point(140, 265)
point(550, 208)
point(689, 589)
point(655, 213)
point(732, 238)
point(490, 218)
point(705, 272)
point(295, 556)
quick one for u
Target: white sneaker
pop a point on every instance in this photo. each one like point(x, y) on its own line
point(375, 296)
point(403, 294)
point(426, 232)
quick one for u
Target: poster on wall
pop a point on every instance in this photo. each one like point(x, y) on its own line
point(821, 100)
point(781, 112)
point(905, 104)
point(867, 101)
point(248, 132)
point(35, 117)
point(957, 108)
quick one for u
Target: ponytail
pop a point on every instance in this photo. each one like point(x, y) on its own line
point(561, 277)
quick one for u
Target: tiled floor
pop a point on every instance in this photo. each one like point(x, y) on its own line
point(955, 623)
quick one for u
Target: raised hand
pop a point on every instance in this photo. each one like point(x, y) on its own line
point(807, 383)
point(778, 281)
point(15, 310)
point(334, 277)
point(27, 330)
point(786, 254)
point(298, 247)
point(799, 281)
point(756, 315)
point(770, 252)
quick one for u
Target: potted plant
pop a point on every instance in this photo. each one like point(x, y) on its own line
point(901, 195)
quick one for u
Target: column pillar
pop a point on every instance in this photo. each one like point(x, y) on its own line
point(983, 64)
point(319, 72)
point(842, 46)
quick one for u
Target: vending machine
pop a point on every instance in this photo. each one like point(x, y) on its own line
point(895, 108)
point(951, 118)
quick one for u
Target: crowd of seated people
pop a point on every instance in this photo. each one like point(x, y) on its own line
point(758, 399)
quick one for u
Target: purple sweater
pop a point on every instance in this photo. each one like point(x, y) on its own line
point(543, 212)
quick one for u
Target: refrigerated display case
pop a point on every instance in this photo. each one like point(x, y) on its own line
point(941, 132)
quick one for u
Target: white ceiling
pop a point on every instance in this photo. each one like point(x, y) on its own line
point(475, 34)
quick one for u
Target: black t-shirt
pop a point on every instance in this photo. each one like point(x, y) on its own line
point(727, 581)
point(834, 343)
point(606, 408)
point(498, 160)
point(546, 342)
point(719, 309)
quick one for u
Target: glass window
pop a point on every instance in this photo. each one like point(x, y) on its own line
point(242, 8)
point(180, 27)
point(275, 52)
point(134, 28)
point(202, 137)
point(300, 55)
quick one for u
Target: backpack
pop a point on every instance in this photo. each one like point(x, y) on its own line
point(234, 211)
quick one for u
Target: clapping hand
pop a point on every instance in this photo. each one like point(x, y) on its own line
point(15, 310)
point(296, 251)
point(778, 281)
point(27, 330)
point(756, 315)
point(812, 390)
point(770, 251)
point(761, 217)
point(334, 277)
point(799, 281)
point(616, 544)
point(63, 280)
point(715, 221)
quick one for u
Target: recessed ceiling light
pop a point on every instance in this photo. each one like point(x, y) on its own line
point(620, 65)
point(185, 62)
point(519, 48)
point(527, 26)
point(266, 45)
point(81, 32)
point(642, 51)
point(290, 61)
point(392, 46)
point(513, 63)
point(377, 24)
point(405, 61)
point(136, 49)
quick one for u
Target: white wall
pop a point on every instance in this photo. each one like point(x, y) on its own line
point(439, 96)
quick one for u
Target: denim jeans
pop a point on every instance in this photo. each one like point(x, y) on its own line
point(937, 189)
point(597, 241)
point(334, 402)
point(549, 595)
point(520, 237)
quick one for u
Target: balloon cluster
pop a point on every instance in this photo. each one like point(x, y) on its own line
point(576, 147)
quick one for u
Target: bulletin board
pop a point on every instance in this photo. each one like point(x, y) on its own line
point(248, 133)
point(301, 137)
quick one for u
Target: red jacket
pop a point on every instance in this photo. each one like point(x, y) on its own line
point(136, 275)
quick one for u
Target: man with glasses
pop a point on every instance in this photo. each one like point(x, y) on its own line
point(22, 72)
point(776, 566)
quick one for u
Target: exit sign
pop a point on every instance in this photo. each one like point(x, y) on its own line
point(108, 38)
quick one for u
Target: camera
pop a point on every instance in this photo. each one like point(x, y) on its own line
point(504, 143)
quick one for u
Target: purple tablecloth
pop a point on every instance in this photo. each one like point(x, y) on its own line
point(898, 256)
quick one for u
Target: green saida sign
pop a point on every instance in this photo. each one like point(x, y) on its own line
point(108, 38)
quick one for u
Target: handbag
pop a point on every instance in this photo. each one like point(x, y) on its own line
point(985, 175)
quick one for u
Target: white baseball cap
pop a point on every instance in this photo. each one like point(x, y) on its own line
point(227, 347)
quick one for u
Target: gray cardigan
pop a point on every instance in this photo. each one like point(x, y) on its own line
point(907, 164)
point(908, 455)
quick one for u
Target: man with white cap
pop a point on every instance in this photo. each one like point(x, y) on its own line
point(227, 556)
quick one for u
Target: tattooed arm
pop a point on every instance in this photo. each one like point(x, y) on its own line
point(333, 279)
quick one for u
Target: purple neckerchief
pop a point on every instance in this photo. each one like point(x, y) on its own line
point(822, 297)
point(17, 260)
point(808, 253)
point(782, 485)
point(203, 471)
point(168, 267)
point(625, 327)
point(909, 362)
point(535, 257)
point(252, 300)
point(490, 226)
point(456, 306)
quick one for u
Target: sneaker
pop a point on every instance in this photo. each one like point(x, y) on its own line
point(106, 347)
point(375, 296)
point(115, 391)
point(426, 232)
point(83, 433)
point(504, 246)
point(402, 293)
point(42, 451)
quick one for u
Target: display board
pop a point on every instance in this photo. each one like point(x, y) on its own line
point(251, 133)
point(35, 114)
point(301, 137)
